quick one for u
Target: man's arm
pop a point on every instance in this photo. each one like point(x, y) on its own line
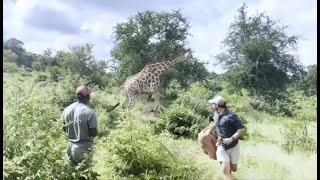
point(238, 134)
point(238, 125)
point(240, 130)
point(64, 127)
point(93, 131)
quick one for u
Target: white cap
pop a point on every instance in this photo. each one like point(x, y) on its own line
point(219, 100)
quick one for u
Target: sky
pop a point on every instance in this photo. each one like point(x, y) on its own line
point(56, 24)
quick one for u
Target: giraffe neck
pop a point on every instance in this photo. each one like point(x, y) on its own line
point(165, 65)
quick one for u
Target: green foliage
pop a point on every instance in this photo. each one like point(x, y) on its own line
point(55, 73)
point(304, 108)
point(308, 83)
point(282, 106)
point(80, 60)
point(101, 102)
point(9, 56)
point(196, 98)
point(172, 91)
point(213, 86)
point(140, 154)
point(291, 103)
point(64, 93)
point(186, 73)
point(296, 137)
point(38, 87)
point(180, 121)
point(34, 144)
point(14, 52)
point(9, 67)
point(15, 45)
point(256, 54)
point(150, 37)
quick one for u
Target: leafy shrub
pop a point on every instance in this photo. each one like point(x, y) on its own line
point(282, 106)
point(173, 90)
point(213, 86)
point(239, 102)
point(140, 155)
point(64, 91)
point(296, 137)
point(55, 73)
point(305, 108)
point(10, 67)
point(180, 121)
point(196, 98)
point(34, 144)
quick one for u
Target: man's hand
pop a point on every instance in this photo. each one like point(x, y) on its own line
point(93, 132)
point(227, 141)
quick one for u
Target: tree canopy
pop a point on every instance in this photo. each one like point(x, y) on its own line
point(257, 54)
point(151, 36)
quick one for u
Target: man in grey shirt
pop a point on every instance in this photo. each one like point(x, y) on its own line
point(80, 125)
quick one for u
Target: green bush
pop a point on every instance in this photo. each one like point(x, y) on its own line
point(141, 155)
point(180, 121)
point(305, 108)
point(172, 91)
point(10, 67)
point(64, 90)
point(34, 144)
point(213, 86)
point(196, 98)
point(283, 106)
point(296, 137)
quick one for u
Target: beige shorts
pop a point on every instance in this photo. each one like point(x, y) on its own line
point(231, 155)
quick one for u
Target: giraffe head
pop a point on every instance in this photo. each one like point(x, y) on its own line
point(182, 57)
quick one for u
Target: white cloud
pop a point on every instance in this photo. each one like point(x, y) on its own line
point(209, 23)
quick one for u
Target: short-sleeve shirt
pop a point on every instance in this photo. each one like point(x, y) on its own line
point(227, 124)
point(79, 118)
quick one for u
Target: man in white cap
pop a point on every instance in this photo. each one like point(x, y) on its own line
point(229, 129)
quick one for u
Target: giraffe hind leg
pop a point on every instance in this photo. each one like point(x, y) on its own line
point(130, 100)
point(156, 102)
point(126, 102)
point(150, 97)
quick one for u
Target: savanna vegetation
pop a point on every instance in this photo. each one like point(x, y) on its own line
point(273, 94)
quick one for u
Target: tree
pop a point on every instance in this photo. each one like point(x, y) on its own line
point(79, 60)
point(150, 37)
point(14, 45)
point(309, 82)
point(9, 56)
point(256, 54)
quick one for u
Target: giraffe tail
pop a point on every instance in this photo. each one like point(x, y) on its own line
point(120, 92)
point(113, 107)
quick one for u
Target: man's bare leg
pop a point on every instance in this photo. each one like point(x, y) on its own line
point(226, 170)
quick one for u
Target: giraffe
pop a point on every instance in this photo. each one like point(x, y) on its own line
point(147, 81)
